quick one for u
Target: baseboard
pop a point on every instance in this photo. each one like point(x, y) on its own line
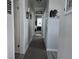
point(55, 50)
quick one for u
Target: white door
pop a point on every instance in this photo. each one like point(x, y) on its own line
point(17, 26)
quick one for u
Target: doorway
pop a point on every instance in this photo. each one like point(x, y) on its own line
point(38, 26)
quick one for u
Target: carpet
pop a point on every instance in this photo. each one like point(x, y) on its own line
point(36, 50)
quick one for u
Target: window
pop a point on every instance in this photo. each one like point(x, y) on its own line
point(39, 22)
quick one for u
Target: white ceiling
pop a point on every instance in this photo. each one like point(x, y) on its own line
point(38, 5)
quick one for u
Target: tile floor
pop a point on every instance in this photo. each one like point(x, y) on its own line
point(52, 55)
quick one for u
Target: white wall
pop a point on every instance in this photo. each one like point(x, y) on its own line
point(65, 41)
point(53, 32)
point(23, 26)
point(10, 35)
point(53, 25)
point(44, 24)
point(65, 30)
point(60, 31)
point(26, 29)
point(31, 22)
point(26, 26)
point(32, 25)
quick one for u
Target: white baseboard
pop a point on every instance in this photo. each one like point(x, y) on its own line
point(55, 50)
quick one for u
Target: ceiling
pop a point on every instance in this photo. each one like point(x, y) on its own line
point(38, 5)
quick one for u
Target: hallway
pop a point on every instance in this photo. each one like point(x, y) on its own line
point(36, 50)
point(39, 29)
